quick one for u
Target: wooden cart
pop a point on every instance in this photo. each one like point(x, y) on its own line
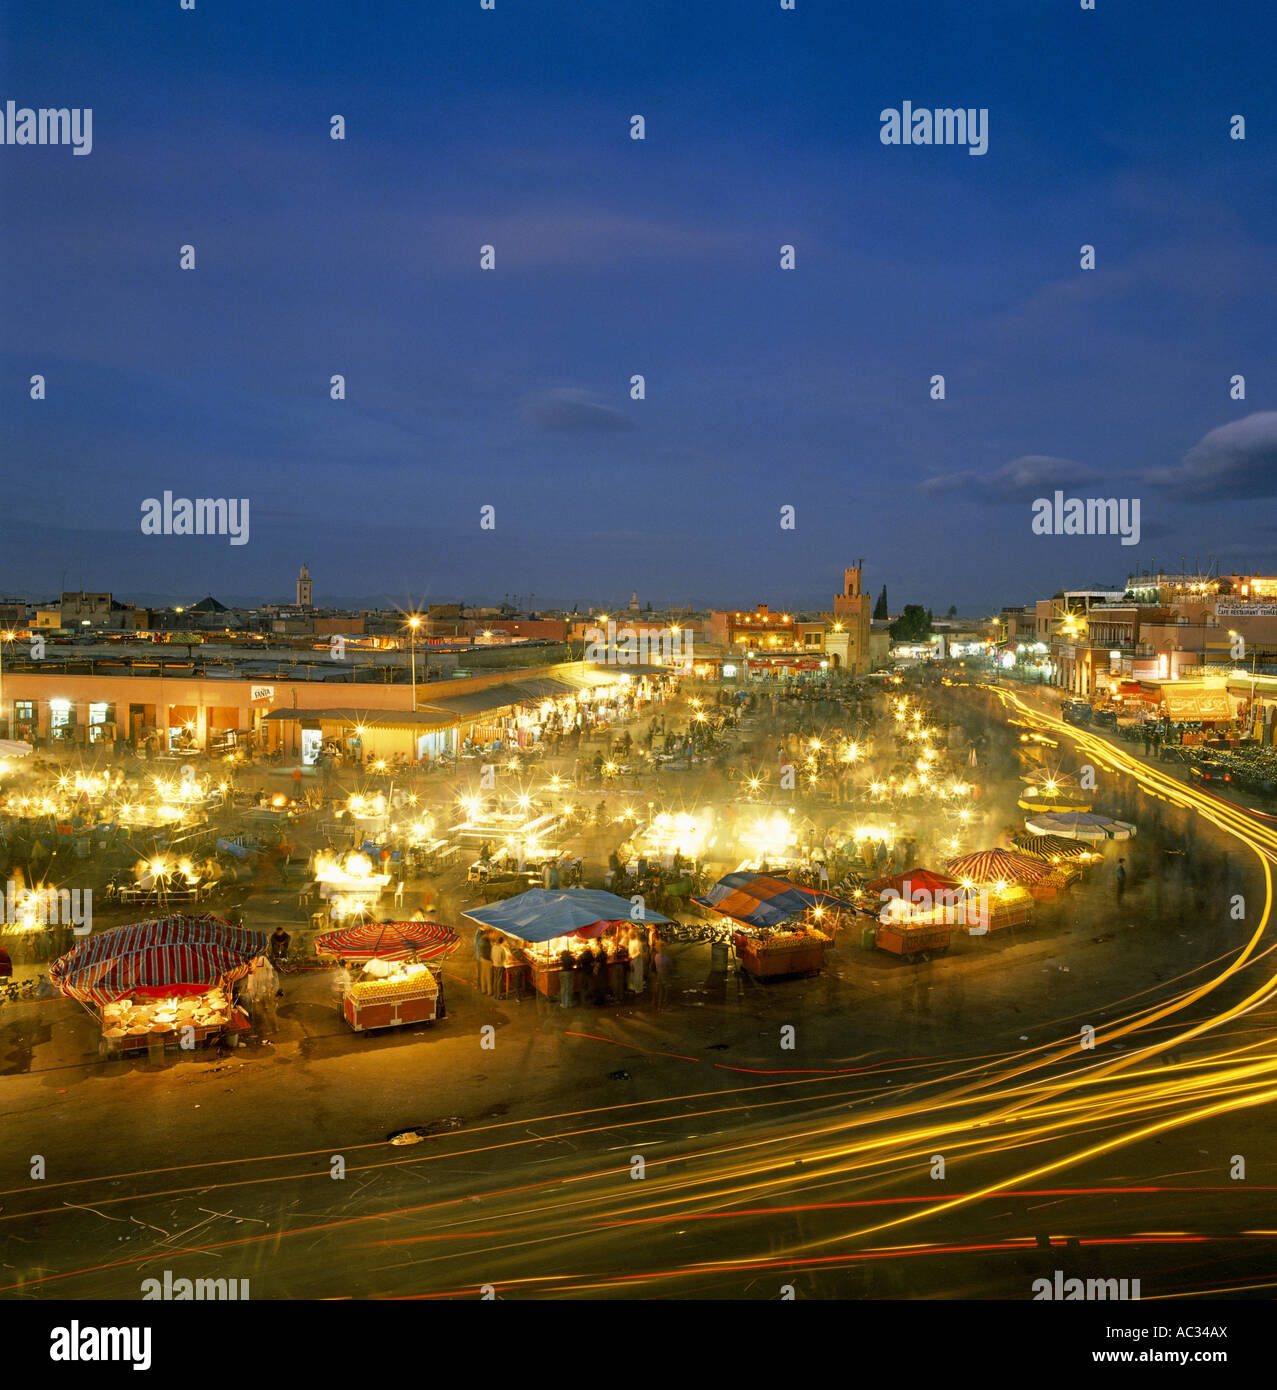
point(414, 1004)
point(913, 943)
point(764, 959)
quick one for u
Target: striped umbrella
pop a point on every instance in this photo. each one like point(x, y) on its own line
point(1078, 825)
point(168, 957)
point(389, 941)
point(1050, 847)
point(997, 866)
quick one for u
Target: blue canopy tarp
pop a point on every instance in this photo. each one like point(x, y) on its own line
point(541, 914)
point(764, 900)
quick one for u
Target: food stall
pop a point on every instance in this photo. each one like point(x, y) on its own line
point(543, 923)
point(406, 993)
point(396, 985)
point(348, 884)
point(999, 879)
point(780, 924)
point(160, 982)
point(920, 908)
point(798, 949)
point(668, 833)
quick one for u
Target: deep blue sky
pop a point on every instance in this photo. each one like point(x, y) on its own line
point(511, 387)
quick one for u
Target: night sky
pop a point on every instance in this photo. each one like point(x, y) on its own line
point(510, 388)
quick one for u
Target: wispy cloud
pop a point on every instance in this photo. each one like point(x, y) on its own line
point(569, 409)
point(1021, 480)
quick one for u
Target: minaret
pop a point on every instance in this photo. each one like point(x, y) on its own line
point(303, 588)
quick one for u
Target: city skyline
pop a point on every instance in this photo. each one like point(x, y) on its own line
point(511, 388)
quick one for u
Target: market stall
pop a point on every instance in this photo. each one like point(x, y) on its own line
point(160, 982)
point(781, 924)
point(396, 985)
point(920, 908)
point(546, 923)
point(667, 834)
point(348, 884)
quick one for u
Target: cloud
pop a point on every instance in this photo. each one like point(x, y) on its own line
point(1235, 461)
point(1022, 480)
point(571, 410)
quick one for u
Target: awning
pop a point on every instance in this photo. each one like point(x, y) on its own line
point(477, 702)
point(542, 914)
point(1200, 706)
point(370, 718)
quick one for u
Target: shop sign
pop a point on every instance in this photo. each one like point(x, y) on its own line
point(262, 692)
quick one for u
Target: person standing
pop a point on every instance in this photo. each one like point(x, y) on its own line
point(1119, 876)
point(500, 959)
point(342, 982)
point(485, 964)
point(600, 972)
point(661, 973)
point(260, 989)
point(567, 978)
point(478, 958)
point(638, 950)
point(618, 970)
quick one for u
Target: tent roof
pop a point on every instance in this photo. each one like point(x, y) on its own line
point(763, 900)
point(541, 914)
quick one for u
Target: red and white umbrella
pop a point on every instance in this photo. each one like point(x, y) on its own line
point(998, 866)
point(389, 941)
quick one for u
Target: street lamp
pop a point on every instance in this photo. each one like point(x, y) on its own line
point(413, 624)
point(4, 637)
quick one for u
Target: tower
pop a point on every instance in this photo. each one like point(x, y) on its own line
point(849, 638)
point(303, 587)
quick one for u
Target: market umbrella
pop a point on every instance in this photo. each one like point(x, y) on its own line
point(170, 956)
point(912, 880)
point(541, 914)
point(764, 900)
point(1049, 847)
point(389, 941)
point(1081, 825)
point(998, 866)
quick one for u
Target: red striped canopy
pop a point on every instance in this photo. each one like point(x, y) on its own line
point(389, 941)
point(926, 879)
point(998, 866)
point(171, 956)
